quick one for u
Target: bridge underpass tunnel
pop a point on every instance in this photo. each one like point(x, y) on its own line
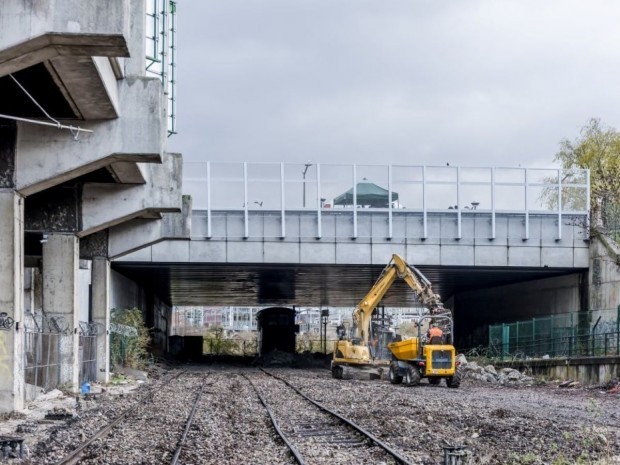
point(476, 309)
point(478, 296)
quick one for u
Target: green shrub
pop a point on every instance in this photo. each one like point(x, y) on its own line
point(129, 351)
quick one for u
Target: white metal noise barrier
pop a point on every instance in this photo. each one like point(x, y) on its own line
point(278, 176)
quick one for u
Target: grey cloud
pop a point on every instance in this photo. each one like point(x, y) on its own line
point(473, 83)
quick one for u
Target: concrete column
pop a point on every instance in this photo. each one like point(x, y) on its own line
point(101, 315)
point(11, 301)
point(60, 299)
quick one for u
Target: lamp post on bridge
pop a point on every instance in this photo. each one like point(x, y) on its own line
point(303, 174)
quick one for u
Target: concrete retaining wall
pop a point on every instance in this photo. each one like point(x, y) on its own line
point(586, 370)
point(604, 273)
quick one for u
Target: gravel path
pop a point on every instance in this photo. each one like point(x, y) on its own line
point(498, 424)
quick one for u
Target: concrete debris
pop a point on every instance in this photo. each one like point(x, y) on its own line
point(53, 394)
point(489, 374)
point(569, 384)
point(28, 427)
point(59, 413)
point(490, 369)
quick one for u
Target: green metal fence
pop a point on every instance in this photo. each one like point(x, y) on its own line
point(591, 333)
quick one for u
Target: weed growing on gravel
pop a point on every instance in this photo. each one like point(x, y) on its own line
point(118, 378)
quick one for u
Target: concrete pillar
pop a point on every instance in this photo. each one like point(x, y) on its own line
point(101, 315)
point(60, 299)
point(11, 301)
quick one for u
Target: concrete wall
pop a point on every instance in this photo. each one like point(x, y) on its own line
point(125, 293)
point(604, 273)
point(475, 310)
point(587, 370)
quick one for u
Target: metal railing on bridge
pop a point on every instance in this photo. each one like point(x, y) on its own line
point(218, 189)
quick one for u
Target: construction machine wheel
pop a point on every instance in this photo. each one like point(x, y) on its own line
point(434, 381)
point(412, 376)
point(337, 372)
point(455, 381)
point(393, 375)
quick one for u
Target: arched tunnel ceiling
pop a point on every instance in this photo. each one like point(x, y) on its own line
point(212, 284)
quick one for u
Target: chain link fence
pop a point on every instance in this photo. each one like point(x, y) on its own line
point(88, 350)
point(41, 359)
point(591, 333)
point(42, 345)
point(44, 339)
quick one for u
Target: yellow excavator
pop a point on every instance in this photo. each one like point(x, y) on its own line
point(409, 359)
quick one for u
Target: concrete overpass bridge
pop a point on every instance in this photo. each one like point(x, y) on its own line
point(318, 235)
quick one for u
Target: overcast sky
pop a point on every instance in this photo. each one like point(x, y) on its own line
point(473, 83)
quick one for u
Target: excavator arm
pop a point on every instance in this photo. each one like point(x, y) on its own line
point(396, 268)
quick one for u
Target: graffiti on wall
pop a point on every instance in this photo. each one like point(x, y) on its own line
point(6, 322)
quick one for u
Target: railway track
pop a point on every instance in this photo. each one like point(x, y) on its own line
point(314, 433)
point(113, 443)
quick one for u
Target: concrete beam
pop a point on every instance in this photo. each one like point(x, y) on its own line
point(89, 84)
point(33, 32)
point(108, 205)
point(126, 172)
point(139, 233)
point(11, 301)
point(49, 157)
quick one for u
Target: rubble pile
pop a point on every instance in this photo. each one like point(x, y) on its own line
point(275, 358)
point(613, 387)
point(489, 374)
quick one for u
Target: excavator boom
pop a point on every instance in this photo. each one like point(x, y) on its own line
point(396, 268)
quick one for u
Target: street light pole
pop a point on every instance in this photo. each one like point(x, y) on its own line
point(306, 166)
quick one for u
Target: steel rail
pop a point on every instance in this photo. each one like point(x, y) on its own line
point(75, 456)
point(399, 458)
point(188, 424)
point(296, 454)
